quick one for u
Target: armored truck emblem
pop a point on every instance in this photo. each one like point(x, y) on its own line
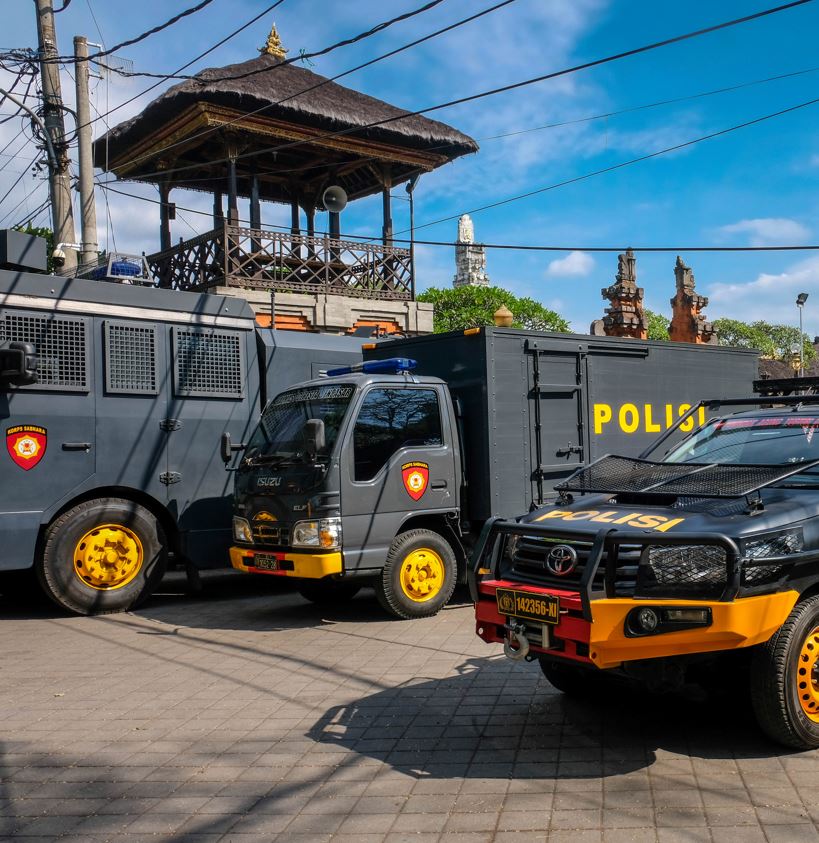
point(26, 444)
point(416, 478)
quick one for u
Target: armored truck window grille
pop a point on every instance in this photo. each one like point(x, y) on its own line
point(391, 419)
point(208, 364)
point(61, 345)
point(130, 358)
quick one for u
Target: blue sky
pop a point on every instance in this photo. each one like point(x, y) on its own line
point(756, 186)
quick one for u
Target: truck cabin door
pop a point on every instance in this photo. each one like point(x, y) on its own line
point(398, 459)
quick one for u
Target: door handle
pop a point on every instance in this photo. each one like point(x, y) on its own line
point(77, 446)
point(439, 484)
point(568, 450)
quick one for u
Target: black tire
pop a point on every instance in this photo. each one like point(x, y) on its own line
point(776, 679)
point(569, 679)
point(56, 569)
point(328, 592)
point(393, 598)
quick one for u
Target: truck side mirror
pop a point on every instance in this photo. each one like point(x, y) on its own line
point(227, 448)
point(18, 364)
point(313, 437)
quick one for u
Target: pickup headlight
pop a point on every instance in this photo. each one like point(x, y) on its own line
point(241, 530)
point(324, 533)
point(682, 571)
point(757, 570)
point(782, 543)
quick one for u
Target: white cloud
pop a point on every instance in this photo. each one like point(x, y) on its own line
point(769, 297)
point(768, 231)
point(574, 265)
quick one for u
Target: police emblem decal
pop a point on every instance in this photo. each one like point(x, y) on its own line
point(506, 603)
point(26, 444)
point(416, 478)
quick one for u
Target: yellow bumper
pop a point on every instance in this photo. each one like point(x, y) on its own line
point(308, 566)
point(742, 623)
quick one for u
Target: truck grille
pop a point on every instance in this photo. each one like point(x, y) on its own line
point(528, 564)
point(271, 535)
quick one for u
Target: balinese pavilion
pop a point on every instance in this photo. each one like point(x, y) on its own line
point(269, 130)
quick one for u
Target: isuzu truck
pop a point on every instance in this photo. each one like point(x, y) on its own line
point(385, 473)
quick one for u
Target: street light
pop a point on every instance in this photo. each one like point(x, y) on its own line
point(800, 303)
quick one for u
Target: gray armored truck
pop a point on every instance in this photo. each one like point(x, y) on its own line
point(113, 399)
point(385, 473)
point(699, 565)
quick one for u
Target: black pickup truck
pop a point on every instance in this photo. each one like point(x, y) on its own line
point(657, 569)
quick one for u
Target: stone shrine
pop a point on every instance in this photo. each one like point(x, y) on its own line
point(626, 317)
point(470, 257)
point(688, 324)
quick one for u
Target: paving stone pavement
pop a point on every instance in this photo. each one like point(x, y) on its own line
point(244, 714)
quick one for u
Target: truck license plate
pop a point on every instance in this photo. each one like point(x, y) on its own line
point(265, 563)
point(544, 608)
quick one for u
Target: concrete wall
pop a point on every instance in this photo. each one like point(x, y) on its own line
point(336, 314)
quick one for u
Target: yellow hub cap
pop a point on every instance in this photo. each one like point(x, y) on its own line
point(422, 575)
point(807, 675)
point(108, 557)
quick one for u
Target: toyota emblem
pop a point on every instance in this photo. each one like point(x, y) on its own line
point(562, 560)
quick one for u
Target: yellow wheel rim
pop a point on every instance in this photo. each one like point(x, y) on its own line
point(422, 575)
point(807, 675)
point(108, 557)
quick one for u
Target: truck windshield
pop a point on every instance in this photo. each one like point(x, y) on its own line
point(279, 438)
point(771, 440)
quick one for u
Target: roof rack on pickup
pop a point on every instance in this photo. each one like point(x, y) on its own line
point(624, 475)
point(787, 386)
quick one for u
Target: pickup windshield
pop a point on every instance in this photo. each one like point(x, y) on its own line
point(279, 438)
point(769, 440)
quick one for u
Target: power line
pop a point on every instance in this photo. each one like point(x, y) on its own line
point(131, 41)
point(622, 164)
point(656, 104)
point(517, 247)
point(556, 125)
point(338, 76)
point(201, 55)
point(505, 88)
point(20, 178)
point(302, 56)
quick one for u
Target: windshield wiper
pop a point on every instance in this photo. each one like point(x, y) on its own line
point(274, 459)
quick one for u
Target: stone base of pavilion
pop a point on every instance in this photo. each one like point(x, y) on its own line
point(336, 314)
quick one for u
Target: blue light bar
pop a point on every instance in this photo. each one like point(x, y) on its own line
point(391, 366)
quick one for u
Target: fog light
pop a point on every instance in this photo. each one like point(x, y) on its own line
point(647, 619)
point(686, 615)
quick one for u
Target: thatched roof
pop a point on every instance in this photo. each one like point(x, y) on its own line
point(412, 144)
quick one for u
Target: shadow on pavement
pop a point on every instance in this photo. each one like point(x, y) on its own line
point(260, 603)
point(495, 720)
point(257, 602)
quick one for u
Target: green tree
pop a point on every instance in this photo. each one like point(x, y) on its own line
point(657, 325)
point(459, 308)
point(772, 341)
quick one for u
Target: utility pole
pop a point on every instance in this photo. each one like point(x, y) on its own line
point(59, 182)
point(88, 208)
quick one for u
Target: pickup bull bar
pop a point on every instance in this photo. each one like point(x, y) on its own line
point(492, 542)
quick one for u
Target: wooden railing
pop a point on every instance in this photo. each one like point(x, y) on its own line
point(232, 256)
